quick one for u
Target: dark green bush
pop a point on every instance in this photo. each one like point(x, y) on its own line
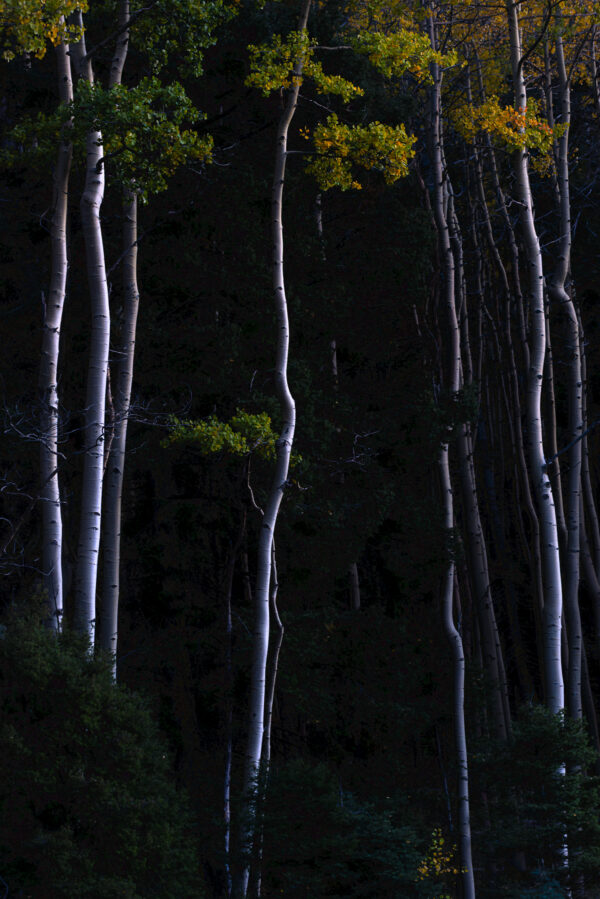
point(542, 803)
point(87, 806)
point(319, 842)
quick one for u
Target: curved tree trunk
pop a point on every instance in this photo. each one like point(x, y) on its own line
point(254, 748)
point(452, 367)
point(558, 292)
point(93, 466)
point(537, 459)
point(113, 490)
point(48, 378)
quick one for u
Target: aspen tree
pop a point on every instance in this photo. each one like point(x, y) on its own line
point(452, 384)
point(144, 135)
point(115, 463)
point(262, 592)
point(537, 458)
point(48, 379)
point(559, 293)
point(27, 27)
point(93, 466)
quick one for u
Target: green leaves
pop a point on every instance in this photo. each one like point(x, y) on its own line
point(142, 130)
point(242, 435)
point(26, 26)
point(375, 146)
point(272, 67)
point(402, 51)
point(178, 30)
point(143, 134)
point(87, 804)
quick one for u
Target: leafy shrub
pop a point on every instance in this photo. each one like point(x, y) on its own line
point(87, 807)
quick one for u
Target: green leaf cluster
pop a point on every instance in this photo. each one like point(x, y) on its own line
point(243, 435)
point(340, 147)
point(87, 806)
point(272, 67)
point(402, 51)
point(142, 132)
point(178, 30)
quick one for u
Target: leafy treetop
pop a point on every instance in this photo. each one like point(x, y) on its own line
point(402, 51)
point(272, 67)
point(26, 26)
point(178, 30)
point(142, 129)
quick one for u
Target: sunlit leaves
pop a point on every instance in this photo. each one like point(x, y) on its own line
point(340, 148)
point(144, 137)
point(272, 67)
point(514, 129)
point(26, 26)
point(402, 51)
point(440, 862)
point(244, 434)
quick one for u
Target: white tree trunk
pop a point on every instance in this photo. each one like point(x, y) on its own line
point(284, 448)
point(559, 293)
point(452, 368)
point(537, 460)
point(111, 531)
point(458, 659)
point(123, 367)
point(48, 378)
point(93, 467)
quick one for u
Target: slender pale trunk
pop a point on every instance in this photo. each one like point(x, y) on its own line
point(559, 293)
point(123, 368)
point(254, 746)
point(48, 379)
point(477, 557)
point(93, 466)
point(458, 658)
point(452, 384)
point(269, 703)
point(111, 533)
point(537, 460)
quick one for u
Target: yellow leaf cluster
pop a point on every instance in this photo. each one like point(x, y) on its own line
point(403, 50)
point(339, 148)
point(514, 129)
point(272, 67)
point(26, 26)
point(439, 862)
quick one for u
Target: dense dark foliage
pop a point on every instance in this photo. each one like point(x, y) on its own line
point(87, 803)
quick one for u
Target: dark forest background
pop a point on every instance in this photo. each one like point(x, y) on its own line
point(361, 795)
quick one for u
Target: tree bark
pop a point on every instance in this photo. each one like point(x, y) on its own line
point(537, 460)
point(559, 293)
point(254, 748)
point(48, 378)
point(452, 383)
point(93, 467)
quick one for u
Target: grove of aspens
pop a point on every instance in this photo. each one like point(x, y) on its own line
point(300, 467)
